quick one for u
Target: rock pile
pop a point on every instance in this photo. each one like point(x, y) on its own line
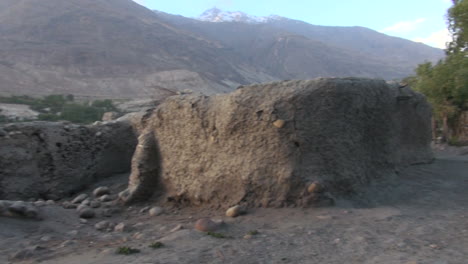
point(19, 209)
point(279, 144)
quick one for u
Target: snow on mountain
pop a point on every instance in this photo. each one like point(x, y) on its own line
point(218, 15)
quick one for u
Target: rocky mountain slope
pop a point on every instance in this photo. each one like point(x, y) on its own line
point(105, 48)
point(119, 49)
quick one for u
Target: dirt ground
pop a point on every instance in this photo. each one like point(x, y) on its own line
point(419, 218)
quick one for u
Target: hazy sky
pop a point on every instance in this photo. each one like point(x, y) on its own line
point(418, 20)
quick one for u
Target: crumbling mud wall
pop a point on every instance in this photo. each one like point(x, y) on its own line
point(279, 144)
point(51, 160)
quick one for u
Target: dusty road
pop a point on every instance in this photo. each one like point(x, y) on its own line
point(420, 218)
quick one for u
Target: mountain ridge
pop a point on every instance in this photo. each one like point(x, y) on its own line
point(119, 49)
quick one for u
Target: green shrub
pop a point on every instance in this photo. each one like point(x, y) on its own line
point(156, 245)
point(127, 251)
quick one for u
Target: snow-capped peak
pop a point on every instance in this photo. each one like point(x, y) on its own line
point(218, 15)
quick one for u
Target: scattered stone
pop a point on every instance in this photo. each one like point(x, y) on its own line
point(206, 225)
point(73, 233)
point(39, 203)
point(234, 211)
point(87, 213)
point(86, 202)
point(138, 235)
point(50, 202)
point(69, 205)
point(324, 217)
point(95, 204)
point(107, 251)
point(122, 227)
point(81, 207)
point(79, 198)
point(248, 236)
point(279, 123)
point(177, 228)
point(67, 243)
point(45, 238)
point(100, 191)
point(18, 207)
point(434, 246)
point(105, 198)
point(144, 210)
point(155, 211)
point(101, 226)
point(315, 187)
point(83, 221)
point(3, 133)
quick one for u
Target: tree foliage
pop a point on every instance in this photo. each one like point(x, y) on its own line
point(458, 25)
point(445, 84)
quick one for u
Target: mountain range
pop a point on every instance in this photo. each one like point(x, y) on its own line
point(119, 49)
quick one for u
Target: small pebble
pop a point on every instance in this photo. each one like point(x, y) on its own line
point(101, 226)
point(145, 209)
point(315, 187)
point(122, 227)
point(40, 203)
point(155, 211)
point(87, 213)
point(105, 198)
point(79, 198)
point(234, 211)
point(206, 225)
point(177, 228)
point(279, 123)
point(100, 191)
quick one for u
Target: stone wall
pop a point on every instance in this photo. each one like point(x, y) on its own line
point(279, 144)
point(51, 160)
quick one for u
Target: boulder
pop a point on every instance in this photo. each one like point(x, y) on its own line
point(266, 145)
point(53, 160)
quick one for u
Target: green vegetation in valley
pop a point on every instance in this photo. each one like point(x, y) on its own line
point(216, 235)
point(62, 107)
point(445, 84)
point(156, 245)
point(127, 251)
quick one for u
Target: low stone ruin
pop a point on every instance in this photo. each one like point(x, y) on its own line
point(291, 143)
point(52, 160)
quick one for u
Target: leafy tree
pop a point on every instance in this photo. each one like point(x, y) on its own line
point(458, 25)
point(446, 83)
